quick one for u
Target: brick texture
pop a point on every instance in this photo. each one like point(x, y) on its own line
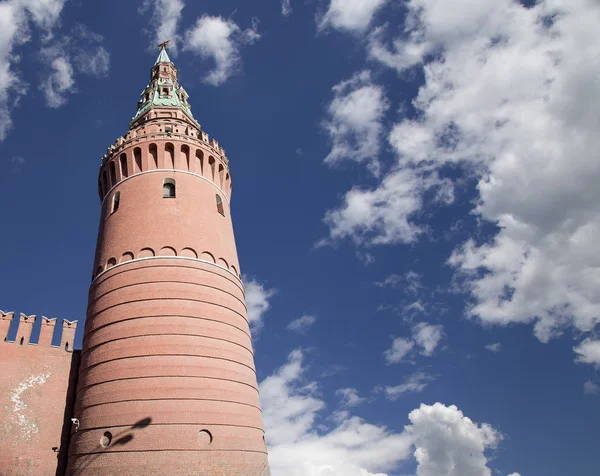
point(37, 384)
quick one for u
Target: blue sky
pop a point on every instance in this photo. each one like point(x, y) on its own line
point(415, 204)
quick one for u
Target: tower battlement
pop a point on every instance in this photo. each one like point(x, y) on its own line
point(59, 336)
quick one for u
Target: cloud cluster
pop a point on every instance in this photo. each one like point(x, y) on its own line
point(424, 335)
point(63, 58)
point(302, 443)
point(510, 97)
point(211, 37)
point(17, 20)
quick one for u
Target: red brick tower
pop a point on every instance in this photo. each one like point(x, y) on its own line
point(167, 384)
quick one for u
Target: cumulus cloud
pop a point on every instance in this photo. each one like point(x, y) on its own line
point(257, 301)
point(414, 383)
point(166, 15)
point(350, 15)
point(449, 443)
point(379, 216)
point(511, 98)
point(302, 324)
point(401, 347)
point(354, 119)
point(304, 443)
point(219, 39)
point(588, 352)
point(427, 336)
point(286, 7)
point(17, 19)
point(496, 347)
point(350, 397)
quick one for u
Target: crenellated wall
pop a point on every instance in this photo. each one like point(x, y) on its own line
point(37, 389)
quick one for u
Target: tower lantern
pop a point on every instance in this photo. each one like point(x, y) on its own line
point(167, 383)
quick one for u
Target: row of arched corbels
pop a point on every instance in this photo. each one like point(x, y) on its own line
point(167, 251)
point(163, 155)
point(155, 124)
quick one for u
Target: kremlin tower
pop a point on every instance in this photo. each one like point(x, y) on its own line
point(167, 384)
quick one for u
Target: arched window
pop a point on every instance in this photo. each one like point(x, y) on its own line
point(116, 200)
point(169, 188)
point(124, 172)
point(169, 156)
point(220, 208)
point(113, 174)
point(154, 154)
point(137, 160)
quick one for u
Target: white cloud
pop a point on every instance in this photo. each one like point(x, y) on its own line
point(588, 352)
point(299, 446)
point(415, 383)
point(427, 336)
point(350, 15)
point(17, 17)
point(59, 82)
point(409, 282)
point(95, 62)
point(400, 348)
point(302, 324)
point(304, 443)
point(286, 7)
point(257, 300)
point(219, 39)
point(166, 15)
point(378, 216)
point(510, 96)
point(514, 474)
point(354, 120)
point(350, 397)
point(449, 443)
point(496, 347)
point(590, 388)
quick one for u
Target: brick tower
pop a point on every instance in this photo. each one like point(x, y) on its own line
point(167, 384)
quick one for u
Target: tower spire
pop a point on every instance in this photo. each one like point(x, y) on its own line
point(163, 57)
point(163, 93)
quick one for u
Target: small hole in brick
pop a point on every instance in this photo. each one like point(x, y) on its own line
point(205, 438)
point(22, 340)
point(106, 439)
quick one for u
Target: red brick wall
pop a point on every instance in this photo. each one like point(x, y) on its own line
point(36, 387)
